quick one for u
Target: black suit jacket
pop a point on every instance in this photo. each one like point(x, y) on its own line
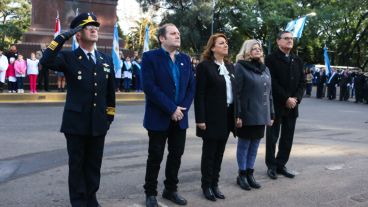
point(90, 100)
point(288, 80)
point(210, 100)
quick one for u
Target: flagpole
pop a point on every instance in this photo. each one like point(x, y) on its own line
point(213, 14)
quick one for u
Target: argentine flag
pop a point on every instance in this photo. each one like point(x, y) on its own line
point(296, 27)
point(146, 39)
point(327, 61)
point(115, 49)
point(75, 44)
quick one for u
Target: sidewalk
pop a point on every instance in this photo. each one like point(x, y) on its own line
point(55, 97)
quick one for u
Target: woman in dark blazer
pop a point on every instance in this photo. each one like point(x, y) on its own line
point(214, 110)
point(254, 108)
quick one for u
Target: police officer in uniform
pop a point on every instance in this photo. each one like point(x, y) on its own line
point(89, 107)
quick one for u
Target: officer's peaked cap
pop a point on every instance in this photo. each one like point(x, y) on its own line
point(84, 19)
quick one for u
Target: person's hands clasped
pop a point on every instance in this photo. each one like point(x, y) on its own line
point(239, 123)
point(291, 102)
point(201, 126)
point(270, 123)
point(178, 114)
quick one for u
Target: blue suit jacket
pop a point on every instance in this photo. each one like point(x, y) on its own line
point(159, 88)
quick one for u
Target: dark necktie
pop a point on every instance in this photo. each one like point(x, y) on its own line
point(90, 58)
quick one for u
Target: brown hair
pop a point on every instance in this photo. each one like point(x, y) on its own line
point(207, 53)
point(161, 32)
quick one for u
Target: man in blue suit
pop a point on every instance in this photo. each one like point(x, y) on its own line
point(168, 83)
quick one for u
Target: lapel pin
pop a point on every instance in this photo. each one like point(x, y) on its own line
point(181, 64)
point(80, 57)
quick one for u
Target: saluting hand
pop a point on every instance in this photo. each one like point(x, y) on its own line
point(68, 34)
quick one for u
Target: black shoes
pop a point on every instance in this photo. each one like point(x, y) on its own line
point(250, 178)
point(283, 171)
point(174, 197)
point(218, 193)
point(241, 180)
point(151, 201)
point(209, 194)
point(272, 173)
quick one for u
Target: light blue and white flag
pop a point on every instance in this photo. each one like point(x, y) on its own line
point(115, 49)
point(75, 44)
point(296, 26)
point(327, 61)
point(146, 39)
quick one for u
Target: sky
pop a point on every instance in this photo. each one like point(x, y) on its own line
point(128, 12)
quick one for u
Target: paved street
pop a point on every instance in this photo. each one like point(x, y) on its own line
point(329, 155)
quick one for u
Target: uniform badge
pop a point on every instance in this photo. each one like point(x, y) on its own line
point(79, 77)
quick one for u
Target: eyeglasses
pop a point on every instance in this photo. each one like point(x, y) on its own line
point(91, 27)
point(257, 48)
point(287, 38)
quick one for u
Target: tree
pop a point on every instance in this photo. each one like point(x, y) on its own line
point(135, 39)
point(340, 24)
point(15, 19)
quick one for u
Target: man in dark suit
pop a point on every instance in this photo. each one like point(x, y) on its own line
point(168, 84)
point(288, 86)
point(89, 107)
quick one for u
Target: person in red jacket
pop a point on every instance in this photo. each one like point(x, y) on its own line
point(10, 75)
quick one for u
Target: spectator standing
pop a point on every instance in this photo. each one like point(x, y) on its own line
point(20, 67)
point(127, 74)
point(214, 110)
point(4, 63)
point(254, 108)
point(10, 75)
point(288, 86)
point(32, 72)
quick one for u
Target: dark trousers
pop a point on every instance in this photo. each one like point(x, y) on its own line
point(212, 154)
point(344, 93)
point(20, 82)
point(287, 125)
point(308, 90)
point(176, 143)
point(320, 93)
point(43, 77)
point(85, 158)
point(331, 92)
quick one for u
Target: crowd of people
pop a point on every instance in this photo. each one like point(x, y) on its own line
point(15, 68)
point(256, 97)
point(353, 84)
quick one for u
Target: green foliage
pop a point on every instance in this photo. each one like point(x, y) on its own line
point(341, 25)
point(135, 39)
point(15, 18)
